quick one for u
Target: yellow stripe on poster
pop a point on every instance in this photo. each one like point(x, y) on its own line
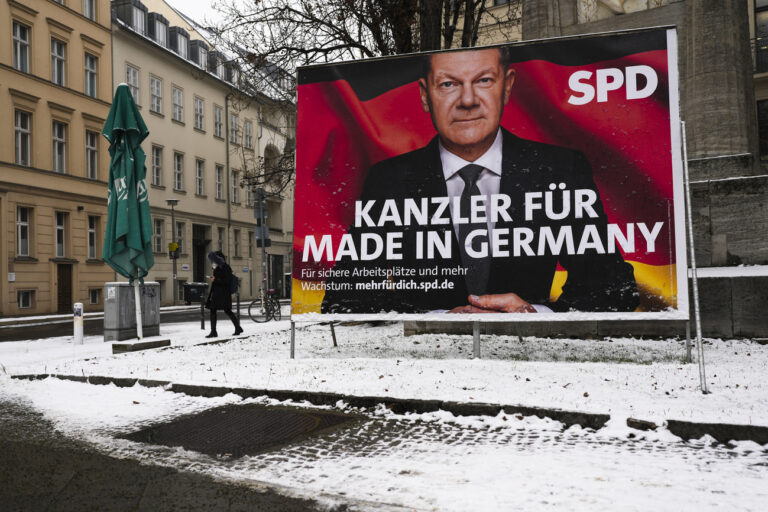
point(304, 299)
point(656, 283)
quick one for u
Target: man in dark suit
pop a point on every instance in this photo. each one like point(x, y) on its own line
point(471, 157)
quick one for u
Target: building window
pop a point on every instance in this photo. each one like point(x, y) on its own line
point(59, 147)
point(250, 244)
point(234, 129)
point(180, 236)
point(157, 236)
point(217, 115)
point(139, 24)
point(178, 105)
point(91, 67)
point(25, 298)
point(182, 44)
point(156, 92)
point(219, 182)
point(23, 136)
point(21, 47)
point(89, 11)
point(157, 166)
point(248, 135)
point(61, 234)
point(94, 295)
point(199, 115)
point(221, 238)
point(203, 57)
point(93, 227)
point(58, 62)
point(23, 219)
point(178, 171)
point(248, 197)
point(92, 154)
point(160, 33)
point(235, 187)
point(132, 79)
point(236, 242)
point(200, 177)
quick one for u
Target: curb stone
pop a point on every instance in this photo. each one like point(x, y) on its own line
point(722, 432)
point(396, 405)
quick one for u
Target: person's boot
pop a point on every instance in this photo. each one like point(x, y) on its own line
point(238, 330)
point(212, 334)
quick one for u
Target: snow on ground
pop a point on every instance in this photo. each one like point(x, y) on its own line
point(429, 461)
point(645, 379)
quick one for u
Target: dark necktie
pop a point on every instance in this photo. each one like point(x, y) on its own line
point(477, 268)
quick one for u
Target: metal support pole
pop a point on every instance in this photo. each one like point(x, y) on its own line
point(293, 339)
point(175, 275)
point(137, 298)
point(203, 297)
point(333, 335)
point(476, 340)
point(262, 207)
point(695, 282)
point(688, 342)
point(237, 296)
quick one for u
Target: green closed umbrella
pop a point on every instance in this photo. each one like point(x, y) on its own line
point(128, 237)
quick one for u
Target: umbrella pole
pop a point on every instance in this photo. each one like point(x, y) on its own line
point(139, 327)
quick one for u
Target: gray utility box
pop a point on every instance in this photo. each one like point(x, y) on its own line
point(120, 310)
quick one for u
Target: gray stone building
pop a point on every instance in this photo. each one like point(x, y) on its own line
point(723, 65)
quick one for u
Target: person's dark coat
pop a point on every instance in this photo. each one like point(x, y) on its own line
point(595, 282)
point(219, 296)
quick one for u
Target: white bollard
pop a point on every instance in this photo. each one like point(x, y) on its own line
point(78, 320)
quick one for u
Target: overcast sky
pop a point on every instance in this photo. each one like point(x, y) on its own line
point(199, 10)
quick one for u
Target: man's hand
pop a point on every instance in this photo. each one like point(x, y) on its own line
point(495, 303)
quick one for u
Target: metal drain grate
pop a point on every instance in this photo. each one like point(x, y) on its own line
point(238, 430)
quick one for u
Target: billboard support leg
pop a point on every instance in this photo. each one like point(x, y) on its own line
point(476, 340)
point(293, 339)
point(333, 335)
point(519, 336)
point(688, 342)
point(694, 279)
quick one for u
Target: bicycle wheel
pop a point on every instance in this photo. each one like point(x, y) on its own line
point(257, 312)
point(275, 310)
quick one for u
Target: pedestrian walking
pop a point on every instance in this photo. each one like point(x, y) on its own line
point(220, 295)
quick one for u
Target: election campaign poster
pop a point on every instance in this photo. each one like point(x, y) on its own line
point(534, 181)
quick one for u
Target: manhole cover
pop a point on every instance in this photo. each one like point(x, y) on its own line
point(238, 430)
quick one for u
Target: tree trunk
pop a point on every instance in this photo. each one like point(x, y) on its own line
point(430, 23)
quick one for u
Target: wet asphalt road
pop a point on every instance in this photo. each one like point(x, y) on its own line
point(91, 326)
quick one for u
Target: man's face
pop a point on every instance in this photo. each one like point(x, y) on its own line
point(465, 93)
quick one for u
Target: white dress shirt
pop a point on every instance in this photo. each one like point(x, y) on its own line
point(489, 181)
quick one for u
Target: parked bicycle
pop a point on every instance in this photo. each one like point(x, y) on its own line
point(265, 308)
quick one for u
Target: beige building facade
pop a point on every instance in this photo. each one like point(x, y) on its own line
point(204, 137)
point(55, 89)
